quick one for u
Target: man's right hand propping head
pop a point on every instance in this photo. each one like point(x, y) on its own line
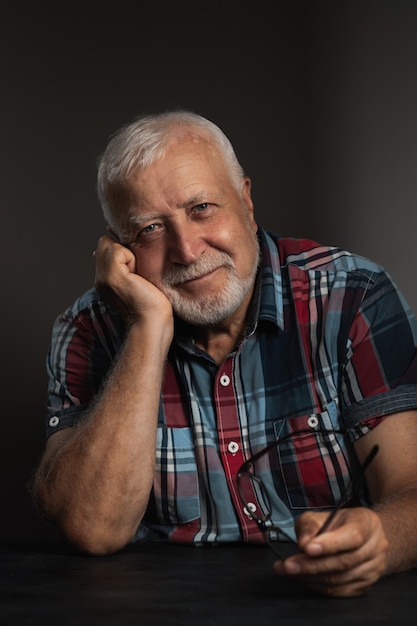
point(119, 283)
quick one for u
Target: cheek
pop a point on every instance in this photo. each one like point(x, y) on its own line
point(230, 232)
point(149, 265)
point(238, 238)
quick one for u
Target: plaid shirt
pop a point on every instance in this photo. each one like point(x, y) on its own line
point(331, 344)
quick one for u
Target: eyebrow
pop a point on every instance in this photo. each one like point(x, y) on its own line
point(133, 224)
point(138, 220)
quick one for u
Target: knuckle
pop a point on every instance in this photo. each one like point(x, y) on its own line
point(357, 536)
point(345, 562)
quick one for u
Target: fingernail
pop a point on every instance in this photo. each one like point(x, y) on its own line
point(292, 567)
point(314, 549)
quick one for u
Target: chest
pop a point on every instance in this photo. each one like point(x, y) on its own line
point(274, 376)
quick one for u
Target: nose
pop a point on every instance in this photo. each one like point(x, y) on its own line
point(186, 245)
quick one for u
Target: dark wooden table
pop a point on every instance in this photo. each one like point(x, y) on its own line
point(46, 584)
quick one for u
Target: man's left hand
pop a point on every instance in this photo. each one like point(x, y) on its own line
point(346, 560)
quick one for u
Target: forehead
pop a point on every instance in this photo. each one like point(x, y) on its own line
point(192, 168)
point(189, 159)
point(191, 144)
point(190, 137)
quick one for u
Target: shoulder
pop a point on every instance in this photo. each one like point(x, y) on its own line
point(88, 300)
point(88, 321)
point(310, 255)
point(88, 306)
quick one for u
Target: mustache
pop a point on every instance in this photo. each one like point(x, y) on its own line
point(204, 265)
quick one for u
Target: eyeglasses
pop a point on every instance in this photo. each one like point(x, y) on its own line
point(271, 531)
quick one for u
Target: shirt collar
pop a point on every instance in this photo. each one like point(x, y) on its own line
point(267, 301)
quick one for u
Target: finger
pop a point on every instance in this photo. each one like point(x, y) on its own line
point(348, 573)
point(358, 532)
point(349, 530)
point(343, 539)
point(349, 582)
point(336, 586)
point(305, 565)
point(111, 254)
point(338, 553)
point(308, 525)
point(104, 241)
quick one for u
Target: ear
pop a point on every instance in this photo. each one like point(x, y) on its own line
point(247, 199)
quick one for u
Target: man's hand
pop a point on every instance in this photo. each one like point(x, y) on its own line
point(346, 560)
point(118, 281)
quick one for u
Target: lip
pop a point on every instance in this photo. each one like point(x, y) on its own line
point(199, 279)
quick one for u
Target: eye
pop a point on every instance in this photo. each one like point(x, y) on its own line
point(205, 209)
point(149, 229)
point(147, 234)
point(202, 207)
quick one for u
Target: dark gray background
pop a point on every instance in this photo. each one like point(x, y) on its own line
point(319, 98)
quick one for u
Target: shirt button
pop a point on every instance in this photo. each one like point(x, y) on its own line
point(233, 447)
point(250, 508)
point(224, 380)
point(54, 421)
point(313, 421)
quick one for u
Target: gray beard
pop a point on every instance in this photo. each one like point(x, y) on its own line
point(209, 310)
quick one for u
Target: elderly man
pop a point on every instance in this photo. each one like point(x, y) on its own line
point(221, 383)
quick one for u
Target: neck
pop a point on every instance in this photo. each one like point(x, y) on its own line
point(218, 343)
point(221, 339)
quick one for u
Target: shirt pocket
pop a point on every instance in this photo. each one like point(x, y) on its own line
point(176, 489)
point(313, 461)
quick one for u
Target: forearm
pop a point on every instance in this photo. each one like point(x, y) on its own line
point(95, 484)
point(398, 515)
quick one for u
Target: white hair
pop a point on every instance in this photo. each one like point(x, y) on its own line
point(140, 143)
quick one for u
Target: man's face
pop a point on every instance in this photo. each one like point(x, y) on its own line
point(193, 234)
